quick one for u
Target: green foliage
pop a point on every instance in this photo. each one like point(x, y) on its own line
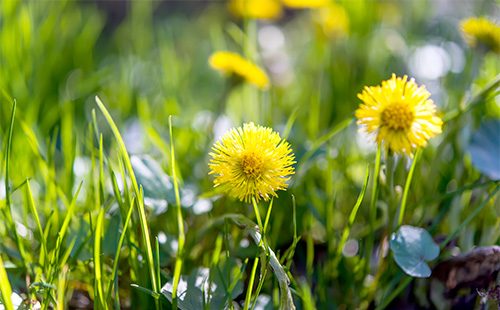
point(98, 207)
point(412, 247)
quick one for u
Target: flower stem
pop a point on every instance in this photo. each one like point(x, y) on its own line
point(268, 215)
point(407, 186)
point(257, 215)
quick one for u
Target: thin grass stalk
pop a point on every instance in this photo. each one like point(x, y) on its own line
point(180, 222)
point(262, 279)
point(8, 212)
point(404, 199)
point(114, 271)
point(140, 202)
point(5, 287)
point(373, 208)
point(99, 290)
point(352, 218)
point(250, 284)
point(61, 288)
point(157, 261)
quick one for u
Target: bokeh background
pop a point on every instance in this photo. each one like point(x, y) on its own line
point(148, 60)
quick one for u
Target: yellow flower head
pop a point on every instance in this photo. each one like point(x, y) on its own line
point(257, 9)
point(251, 162)
point(481, 31)
point(233, 64)
point(399, 113)
point(333, 20)
point(305, 4)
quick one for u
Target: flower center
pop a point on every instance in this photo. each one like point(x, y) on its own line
point(397, 116)
point(252, 165)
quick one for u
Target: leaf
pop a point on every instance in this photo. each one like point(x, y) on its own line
point(204, 285)
point(158, 190)
point(412, 247)
point(484, 149)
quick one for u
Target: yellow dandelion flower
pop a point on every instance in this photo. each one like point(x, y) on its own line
point(481, 31)
point(306, 4)
point(233, 64)
point(256, 9)
point(251, 162)
point(399, 113)
point(333, 20)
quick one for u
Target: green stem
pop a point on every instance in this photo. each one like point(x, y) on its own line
point(257, 215)
point(250, 284)
point(268, 215)
point(352, 217)
point(114, 271)
point(373, 207)
point(180, 222)
point(5, 288)
point(402, 209)
point(140, 200)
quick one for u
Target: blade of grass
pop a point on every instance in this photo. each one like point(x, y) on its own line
point(140, 202)
point(352, 217)
point(180, 223)
point(8, 211)
point(114, 271)
point(98, 293)
point(61, 291)
point(7, 154)
point(373, 209)
point(43, 240)
point(5, 287)
point(250, 284)
point(402, 208)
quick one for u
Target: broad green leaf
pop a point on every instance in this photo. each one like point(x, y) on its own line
point(484, 149)
point(412, 247)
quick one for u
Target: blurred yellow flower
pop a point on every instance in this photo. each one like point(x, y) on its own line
point(333, 20)
point(306, 4)
point(399, 113)
point(257, 9)
point(251, 162)
point(481, 31)
point(233, 64)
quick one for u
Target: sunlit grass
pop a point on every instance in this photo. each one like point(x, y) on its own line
point(106, 130)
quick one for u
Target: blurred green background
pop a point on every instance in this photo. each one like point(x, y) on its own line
point(147, 60)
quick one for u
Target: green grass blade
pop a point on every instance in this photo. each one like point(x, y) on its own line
point(180, 222)
point(31, 205)
point(7, 154)
point(99, 293)
point(352, 217)
point(114, 271)
point(5, 288)
point(140, 202)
